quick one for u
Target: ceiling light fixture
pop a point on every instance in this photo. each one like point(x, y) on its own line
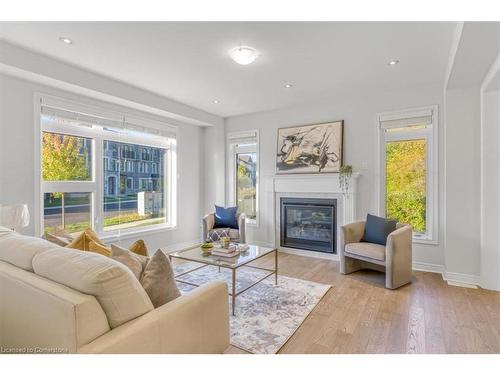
point(216, 101)
point(393, 62)
point(65, 40)
point(288, 86)
point(243, 55)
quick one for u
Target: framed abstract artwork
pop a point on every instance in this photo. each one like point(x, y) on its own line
point(313, 148)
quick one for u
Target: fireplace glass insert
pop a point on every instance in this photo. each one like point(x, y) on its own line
point(309, 224)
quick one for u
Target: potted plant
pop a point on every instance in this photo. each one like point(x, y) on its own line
point(345, 174)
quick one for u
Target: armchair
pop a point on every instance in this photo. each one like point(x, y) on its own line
point(395, 258)
point(208, 232)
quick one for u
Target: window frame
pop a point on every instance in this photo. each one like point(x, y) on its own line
point(235, 149)
point(95, 185)
point(430, 134)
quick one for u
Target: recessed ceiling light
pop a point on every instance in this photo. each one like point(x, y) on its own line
point(65, 40)
point(216, 101)
point(288, 86)
point(393, 62)
point(243, 55)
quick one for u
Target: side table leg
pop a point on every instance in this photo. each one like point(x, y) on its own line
point(233, 295)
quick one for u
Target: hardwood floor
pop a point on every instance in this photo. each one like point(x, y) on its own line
point(358, 315)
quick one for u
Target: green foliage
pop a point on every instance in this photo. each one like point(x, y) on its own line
point(247, 192)
point(406, 182)
point(61, 159)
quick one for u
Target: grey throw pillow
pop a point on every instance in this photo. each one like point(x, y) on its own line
point(377, 229)
point(158, 280)
point(134, 262)
point(215, 235)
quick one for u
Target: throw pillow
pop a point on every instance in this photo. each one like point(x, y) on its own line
point(61, 241)
point(134, 262)
point(60, 232)
point(225, 217)
point(83, 240)
point(216, 234)
point(377, 229)
point(139, 247)
point(158, 280)
point(99, 248)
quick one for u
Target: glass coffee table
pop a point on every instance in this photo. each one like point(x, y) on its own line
point(195, 254)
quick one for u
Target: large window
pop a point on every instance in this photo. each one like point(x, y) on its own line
point(243, 173)
point(104, 174)
point(408, 170)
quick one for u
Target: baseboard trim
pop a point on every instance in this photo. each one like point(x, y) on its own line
point(427, 267)
point(461, 279)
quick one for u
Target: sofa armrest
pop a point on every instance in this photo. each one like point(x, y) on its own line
point(242, 225)
point(398, 255)
point(197, 322)
point(207, 224)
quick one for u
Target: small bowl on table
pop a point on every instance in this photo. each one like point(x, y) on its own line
point(206, 248)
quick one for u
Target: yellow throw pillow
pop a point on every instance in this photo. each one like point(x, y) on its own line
point(83, 240)
point(95, 247)
point(80, 243)
point(93, 235)
point(139, 247)
point(89, 241)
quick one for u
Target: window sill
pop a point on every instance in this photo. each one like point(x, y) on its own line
point(425, 241)
point(113, 236)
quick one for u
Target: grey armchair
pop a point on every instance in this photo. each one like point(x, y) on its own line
point(395, 258)
point(208, 232)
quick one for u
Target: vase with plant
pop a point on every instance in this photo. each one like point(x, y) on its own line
point(345, 174)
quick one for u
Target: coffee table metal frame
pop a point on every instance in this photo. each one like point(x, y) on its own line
point(219, 262)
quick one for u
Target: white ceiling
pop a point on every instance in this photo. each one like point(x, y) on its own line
point(188, 61)
point(479, 46)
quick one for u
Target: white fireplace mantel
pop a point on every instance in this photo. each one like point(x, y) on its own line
point(315, 186)
point(322, 184)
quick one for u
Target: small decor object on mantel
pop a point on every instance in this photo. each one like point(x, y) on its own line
point(345, 174)
point(310, 148)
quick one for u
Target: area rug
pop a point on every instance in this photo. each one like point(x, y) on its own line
point(266, 315)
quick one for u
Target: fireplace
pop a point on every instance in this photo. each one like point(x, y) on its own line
point(308, 224)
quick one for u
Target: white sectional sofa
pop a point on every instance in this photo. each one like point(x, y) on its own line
point(57, 300)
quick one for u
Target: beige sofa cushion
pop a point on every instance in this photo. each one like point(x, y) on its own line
point(19, 250)
point(113, 284)
point(366, 249)
point(36, 312)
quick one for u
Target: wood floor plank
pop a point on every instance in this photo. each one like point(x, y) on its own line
point(358, 315)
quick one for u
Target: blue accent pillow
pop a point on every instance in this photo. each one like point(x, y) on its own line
point(225, 217)
point(377, 229)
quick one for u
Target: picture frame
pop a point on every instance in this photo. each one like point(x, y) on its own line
point(310, 149)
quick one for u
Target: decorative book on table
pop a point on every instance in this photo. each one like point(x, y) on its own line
point(227, 254)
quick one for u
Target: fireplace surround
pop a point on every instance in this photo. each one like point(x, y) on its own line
point(308, 224)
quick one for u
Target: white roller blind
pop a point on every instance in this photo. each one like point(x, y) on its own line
point(76, 114)
point(423, 117)
point(240, 138)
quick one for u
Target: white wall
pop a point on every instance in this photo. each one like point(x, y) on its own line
point(359, 115)
point(214, 167)
point(490, 249)
point(462, 182)
point(17, 174)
